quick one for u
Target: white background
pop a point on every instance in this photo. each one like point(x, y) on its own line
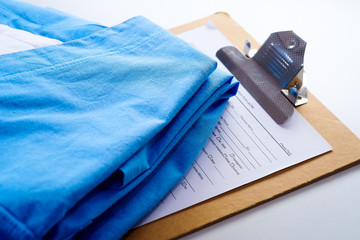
point(329, 209)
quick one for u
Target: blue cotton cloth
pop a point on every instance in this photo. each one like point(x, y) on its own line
point(46, 22)
point(95, 131)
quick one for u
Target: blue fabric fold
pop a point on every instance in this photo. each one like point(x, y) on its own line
point(95, 127)
point(45, 21)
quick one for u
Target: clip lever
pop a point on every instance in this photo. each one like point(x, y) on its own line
point(274, 75)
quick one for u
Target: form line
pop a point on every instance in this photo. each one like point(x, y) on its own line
point(189, 184)
point(263, 127)
point(204, 172)
point(219, 172)
point(238, 149)
point(248, 135)
point(173, 194)
point(265, 147)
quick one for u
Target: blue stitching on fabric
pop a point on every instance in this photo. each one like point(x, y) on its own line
point(111, 52)
point(43, 26)
point(13, 221)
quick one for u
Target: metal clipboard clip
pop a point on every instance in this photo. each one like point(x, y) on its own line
point(274, 75)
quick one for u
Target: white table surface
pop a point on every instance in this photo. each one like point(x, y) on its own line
point(329, 209)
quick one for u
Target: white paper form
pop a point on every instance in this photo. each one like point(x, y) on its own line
point(246, 144)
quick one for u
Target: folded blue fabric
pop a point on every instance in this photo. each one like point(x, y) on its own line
point(45, 21)
point(95, 131)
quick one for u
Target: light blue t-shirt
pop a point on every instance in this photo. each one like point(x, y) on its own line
point(95, 131)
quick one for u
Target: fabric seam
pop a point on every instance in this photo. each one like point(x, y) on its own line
point(111, 52)
point(15, 222)
point(46, 27)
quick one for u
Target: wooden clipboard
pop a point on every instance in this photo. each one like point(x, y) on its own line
point(346, 153)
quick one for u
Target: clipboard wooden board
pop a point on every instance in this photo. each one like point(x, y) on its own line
point(346, 153)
